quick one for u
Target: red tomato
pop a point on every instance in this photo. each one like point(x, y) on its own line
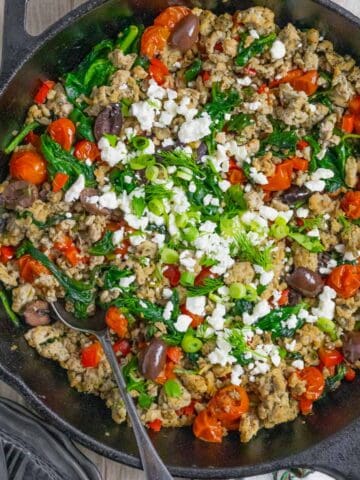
point(85, 150)
point(315, 382)
point(7, 253)
point(289, 77)
point(354, 105)
point(302, 144)
point(33, 139)
point(207, 427)
point(348, 123)
point(298, 163)
point(91, 355)
point(284, 299)
point(236, 176)
point(167, 374)
point(196, 319)
point(59, 181)
point(281, 180)
point(171, 16)
point(306, 83)
point(117, 321)
point(351, 204)
point(202, 276)
point(330, 358)
point(42, 93)
point(174, 354)
point(305, 405)
point(153, 40)
point(124, 248)
point(63, 132)
point(28, 166)
point(158, 70)
point(263, 89)
point(122, 346)
point(345, 280)
point(30, 269)
point(205, 75)
point(69, 250)
point(350, 374)
point(172, 273)
point(155, 425)
point(357, 124)
point(229, 403)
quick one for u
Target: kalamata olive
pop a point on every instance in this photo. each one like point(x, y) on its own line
point(152, 359)
point(294, 297)
point(295, 194)
point(109, 121)
point(305, 281)
point(351, 346)
point(186, 33)
point(86, 197)
point(37, 313)
point(19, 194)
point(202, 150)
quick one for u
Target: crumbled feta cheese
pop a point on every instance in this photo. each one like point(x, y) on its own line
point(277, 50)
point(167, 293)
point(118, 237)
point(179, 201)
point(159, 239)
point(322, 174)
point(315, 185)
point(127, 281)
point(254, 34)
point(245, 81)
point(302, 212)
point(224, 185)
point(137, 239)
point(258, 177)
point(75, 190)
point(268, 213)
point(253, 106)
point(196, 305)
point(236, 373)
point(113, 155)
point(217, 248)
point(208, 227)
point(155, 90)
point(326, 307)
point(172, 227)
point(169, 307)
point(135, 222)
point(187, 261)
point(196, 129)
point(216, 320)
point(299, 364)
point(167, 142)
point(260, 310)
point(144, 113)
point(290, 346)
point(182, 323)
point(221, 355)
point(192, 187)
point(108, 200)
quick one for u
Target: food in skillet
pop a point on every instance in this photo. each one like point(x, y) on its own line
point(198, 179)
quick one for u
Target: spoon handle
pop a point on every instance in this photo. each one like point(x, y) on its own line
point(153, 466)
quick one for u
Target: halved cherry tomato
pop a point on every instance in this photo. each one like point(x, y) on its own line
point(315, 382)
point(348, 122)
point(354, 105)
point(155, 425)
point(171, 16)
point(281, 180)
point(263, 88)
point(174, 354)
point(158, 70)
point(33, 139)
point(299, 163)
point(69, 250)
point(287, 78)
point(30, 269)
point(306, 83)
point(59, 181)
point(188, 411)
point(229, 403)
point(203, 275)
point(63, 132)
point(124, 248)
point(196, 319)
point(284, 299)
point(91, 355)
point(205, 75)
point(357, 124)
point(7, 253)
point(351, 204)
point(154, 40)
point(167, 373)
point(117, 321)
point(122, 346)
point(207, 427)
point(302, 144)
point(42, 93)
point(305, 405)
point(172, 273)
point(345, 280)
point(330, 358)
point(28, 166)
point(236, 176)
point(350, 374)
point(86, 150)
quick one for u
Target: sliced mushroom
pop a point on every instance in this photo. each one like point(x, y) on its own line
point(295, 194)
point(87, 199)
point(186, 33)
point(19, 194)
point(305, 281)
point(152, 359)
point(351, 346)
point(37, 313)
point(109, 121)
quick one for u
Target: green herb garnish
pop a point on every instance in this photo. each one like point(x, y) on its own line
point(15, 142)
point(257, 47)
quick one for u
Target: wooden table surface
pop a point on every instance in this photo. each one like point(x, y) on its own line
point(38, 19)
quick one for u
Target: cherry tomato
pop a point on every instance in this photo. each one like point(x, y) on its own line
point(154, 40)
point(305, 405)
point(306, 83)
point(155, 425)
point(354, 105)
point(207, 427)
point(85, 150)
point(350, 374)
point(33, 139)
point(196, 319)
point(122, 346)
point(158, 70)
point(63, 132)
point(30, 269)
point(28, 166)
point(205, 75)
point(284, 299)
point(263, 89)
point(167, 374)
point(351, 205)
point(59, 181)
point(315, 382)
point(281, 180)
point(202, 276)
point(69, 250)
point(7, 253)
point(229, 403)
point(348, 122)
point(117, 321)
point(42, 93)
point(172, 273)
point(91, 355)
point(287, 78)
point(188, 411)
point(171, 16)
point(174, 354)
point(345, 280)
point(236, 176)
point(302, 144)
point(298, 163)
point(330, 358)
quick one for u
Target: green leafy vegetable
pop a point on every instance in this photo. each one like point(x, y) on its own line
point(118, 181)
point(313, 244)
point(251, 253)
point(193, 71)
point(240, 349)
point(235, 200)
point(281, 139)
point(156, 192)
point(257, 47)
point(238, 122)
point(135, 383)
point(59, 160)
point(6, 304)
point(209, 285)
point(179, 158)
point(49, 222)
point(276, 321)
point(139, 308)
point(103, 246)
point(241, 306)
point(127, 39)
point(17, 140)
point(113, 275)
point(84, 124)
point(172, 389)
point(331, 383)
point(173, 337)
point(138, 206)
point(81, 294)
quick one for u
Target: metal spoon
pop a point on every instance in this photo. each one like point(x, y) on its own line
point(152, 464)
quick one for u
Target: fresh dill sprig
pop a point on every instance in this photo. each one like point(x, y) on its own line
point(156, 192)
point(210, 285)
point(252, 253)
point(178, 158)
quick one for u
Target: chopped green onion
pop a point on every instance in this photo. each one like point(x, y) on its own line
point(191, 344)
point(184, 173)
point(187, 279)
point(251, 293)
point(156, 206)
point(237, 291)
point(170, 256)
point(190, 234)
point(141, 162)
point(181, 220)
point(15, 142)
point(327, 326)
point(112, 139)
point(279, 229)
point(282, 352)
point(139, 143)
point(152, 173)
point(172, 388)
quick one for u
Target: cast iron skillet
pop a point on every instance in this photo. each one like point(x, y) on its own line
point(326, 441)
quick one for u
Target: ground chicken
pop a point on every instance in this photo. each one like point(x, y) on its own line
point(241, 272)
point(321, 203)
point(258, 18)
point(304, 258)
